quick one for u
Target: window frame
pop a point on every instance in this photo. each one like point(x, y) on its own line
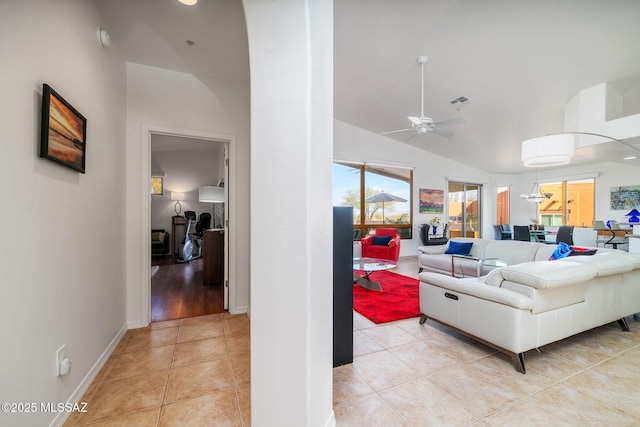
point(363, 228)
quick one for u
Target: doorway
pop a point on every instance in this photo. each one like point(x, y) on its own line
point(464, 209)
point(176, 290)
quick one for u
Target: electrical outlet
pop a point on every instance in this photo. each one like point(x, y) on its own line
point(61, 355)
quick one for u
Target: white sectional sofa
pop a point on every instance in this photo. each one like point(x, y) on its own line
point(434, 259)
point(532, 303)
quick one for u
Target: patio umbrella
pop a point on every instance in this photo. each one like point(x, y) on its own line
point(382, 198)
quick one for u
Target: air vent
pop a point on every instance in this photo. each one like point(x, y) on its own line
point(459, 101)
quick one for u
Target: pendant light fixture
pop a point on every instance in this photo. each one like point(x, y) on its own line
point(537, 194)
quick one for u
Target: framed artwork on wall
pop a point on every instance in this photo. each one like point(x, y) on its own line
point(625, 198)
point(157, 185)
point(431, 201)
point(63, 132)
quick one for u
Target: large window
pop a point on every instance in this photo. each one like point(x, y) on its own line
point(502, 205)
point(464, 209)
point(381, 196)
point(571, 203)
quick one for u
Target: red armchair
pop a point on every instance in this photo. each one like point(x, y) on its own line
point(380, 246)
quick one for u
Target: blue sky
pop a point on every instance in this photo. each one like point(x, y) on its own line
point(345, 178)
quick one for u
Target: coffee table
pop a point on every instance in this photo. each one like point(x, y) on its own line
point(369, 265)
point(490, 262)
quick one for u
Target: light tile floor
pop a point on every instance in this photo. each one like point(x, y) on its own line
point(189, 372)
point(196, 372)
point(410, 375)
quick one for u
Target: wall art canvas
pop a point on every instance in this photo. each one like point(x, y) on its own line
point(63, 133)
point(625, 198)
point(431, 201)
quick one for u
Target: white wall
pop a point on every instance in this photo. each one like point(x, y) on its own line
point(184, 172)
point(291, 57)
point(162, 99)
point(430, 171)
point(62, 245)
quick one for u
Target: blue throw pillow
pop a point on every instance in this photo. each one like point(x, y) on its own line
point(459, 248)
point(381, 240)
point(562, 251)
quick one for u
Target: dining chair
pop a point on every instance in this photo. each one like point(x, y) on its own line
point(506, 231)
point(521, 232)
point(497, 232)
point(565, 234)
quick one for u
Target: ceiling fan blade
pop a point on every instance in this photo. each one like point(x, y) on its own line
point(456, 121)
point(395, 131)
point(443, 133)
point(415, 120)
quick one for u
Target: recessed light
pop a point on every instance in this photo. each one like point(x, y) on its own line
point(630, 158)
point(188, 2)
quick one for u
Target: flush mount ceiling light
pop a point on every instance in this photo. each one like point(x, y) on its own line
point(188, 2)
point(550, 150)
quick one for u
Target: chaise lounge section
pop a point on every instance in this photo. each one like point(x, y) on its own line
point(527, 305)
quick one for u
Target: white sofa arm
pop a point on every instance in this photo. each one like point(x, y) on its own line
point(478, 289)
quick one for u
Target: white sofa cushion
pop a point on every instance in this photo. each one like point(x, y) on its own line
point(512, 251)
point(606, 263)
point(543, 274)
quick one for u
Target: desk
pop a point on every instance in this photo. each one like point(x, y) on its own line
point(213, 254)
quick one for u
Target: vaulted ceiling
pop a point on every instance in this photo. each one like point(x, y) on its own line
point(520, 62)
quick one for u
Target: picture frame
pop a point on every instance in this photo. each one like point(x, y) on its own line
point(157, 185)
point(63, 131)
point(431, 201)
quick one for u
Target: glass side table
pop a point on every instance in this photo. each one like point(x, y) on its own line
point(489, 262)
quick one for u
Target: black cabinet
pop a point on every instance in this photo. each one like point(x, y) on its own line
point(342, 285)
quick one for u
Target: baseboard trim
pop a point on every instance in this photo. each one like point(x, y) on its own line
point(240, 310)
point(136, 324)
point(75, 397)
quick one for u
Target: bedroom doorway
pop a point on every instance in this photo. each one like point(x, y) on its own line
point(177, 290)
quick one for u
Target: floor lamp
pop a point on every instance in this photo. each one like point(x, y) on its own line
point(215, 195)
point(557, 148)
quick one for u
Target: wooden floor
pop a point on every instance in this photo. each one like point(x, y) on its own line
point(177, 291)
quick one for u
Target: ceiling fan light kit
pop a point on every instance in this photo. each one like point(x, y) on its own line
point(423, 124)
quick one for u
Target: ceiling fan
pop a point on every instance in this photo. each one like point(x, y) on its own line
point(423, 124)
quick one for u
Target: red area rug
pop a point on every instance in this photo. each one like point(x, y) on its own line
point(398, 299)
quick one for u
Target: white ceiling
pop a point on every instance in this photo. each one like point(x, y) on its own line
point(519, 61)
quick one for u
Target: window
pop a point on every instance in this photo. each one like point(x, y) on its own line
point(502, 205)
point(354, 184)
point(464, 209)
point(571, 203)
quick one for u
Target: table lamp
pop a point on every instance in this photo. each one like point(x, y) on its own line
point(633, 216)
point(177, 197)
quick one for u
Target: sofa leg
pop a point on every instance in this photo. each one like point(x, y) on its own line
point(423, 319)
point(624, 325)
point(518, 361)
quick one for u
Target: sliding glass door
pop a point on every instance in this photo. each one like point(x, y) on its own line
point(464, 209)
